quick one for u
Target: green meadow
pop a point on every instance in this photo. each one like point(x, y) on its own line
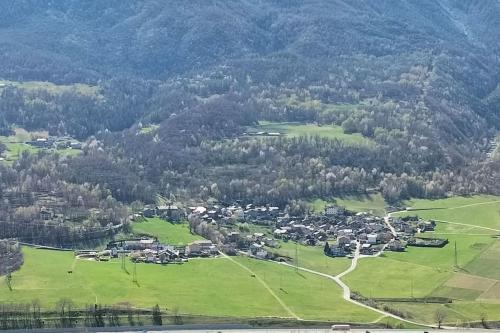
point(16, 146)
point(244, 287)
point(469, 276)
point(480, 211)
point(217, 286)
point(166, 232)
point(312, 257)
point(294, 130)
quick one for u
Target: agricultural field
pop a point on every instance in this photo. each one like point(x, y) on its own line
point(470, 276)
point(238, 287)
point(476, 211)
point(297, 129)
point(166, 232)
point(456, 313)
point(307, 295)
point(388, 278)
point(373, 203)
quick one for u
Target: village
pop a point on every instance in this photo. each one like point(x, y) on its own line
point(55, 142)
point(258, 231)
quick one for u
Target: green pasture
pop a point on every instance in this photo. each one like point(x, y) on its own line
point(388, 278)
point(202, 286)
point(312, 257)
point(166, 232)
point(293, 130)
point(483, 210)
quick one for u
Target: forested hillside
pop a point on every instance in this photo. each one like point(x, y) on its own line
point(172, 88)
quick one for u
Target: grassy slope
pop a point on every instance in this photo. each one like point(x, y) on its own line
point(166, 232)
point(326, 131)
point(312, 257)
point(384, 277)
point(430, 270)
point(202, 286)
point(308, 295)
point(478, 210)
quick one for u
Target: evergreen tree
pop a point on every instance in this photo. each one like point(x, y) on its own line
point(326, 249)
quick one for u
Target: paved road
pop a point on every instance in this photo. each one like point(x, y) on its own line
point(387, 220)
point(346, 291)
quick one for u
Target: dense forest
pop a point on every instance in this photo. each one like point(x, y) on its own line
point(172, 88)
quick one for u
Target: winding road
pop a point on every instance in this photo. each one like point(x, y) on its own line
point(346, 291)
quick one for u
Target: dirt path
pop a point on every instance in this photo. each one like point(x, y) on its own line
point(346, 294)
point(468, 225)
point(265, 285)
point(475, 204)
point(389, 215)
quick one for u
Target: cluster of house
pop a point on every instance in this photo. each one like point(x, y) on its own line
point(222, 215)
point(410, 225)
point(348, 229)
point(262, 133)
point(167, 212)
point(55, 142)
point(345, 227)
point(150, 250)
point(342, 229)
point(253, 244)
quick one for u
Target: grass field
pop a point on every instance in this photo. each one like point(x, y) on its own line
point(373, 203)
point(202, 286)
point(468, 248)
point(325, 131)
point(459, 313)
point(471, 223)
point(389, 278)
point(312, 257)
point(307, 295)
point(475, 211)
point(166, 232)
point(16, 145)
point(149, 129)
point(487, 263)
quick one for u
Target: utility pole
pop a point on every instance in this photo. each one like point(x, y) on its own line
point(296, 257)
point(412, 287)
point(134, 278)
point(123, 261)
point(8, 281)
